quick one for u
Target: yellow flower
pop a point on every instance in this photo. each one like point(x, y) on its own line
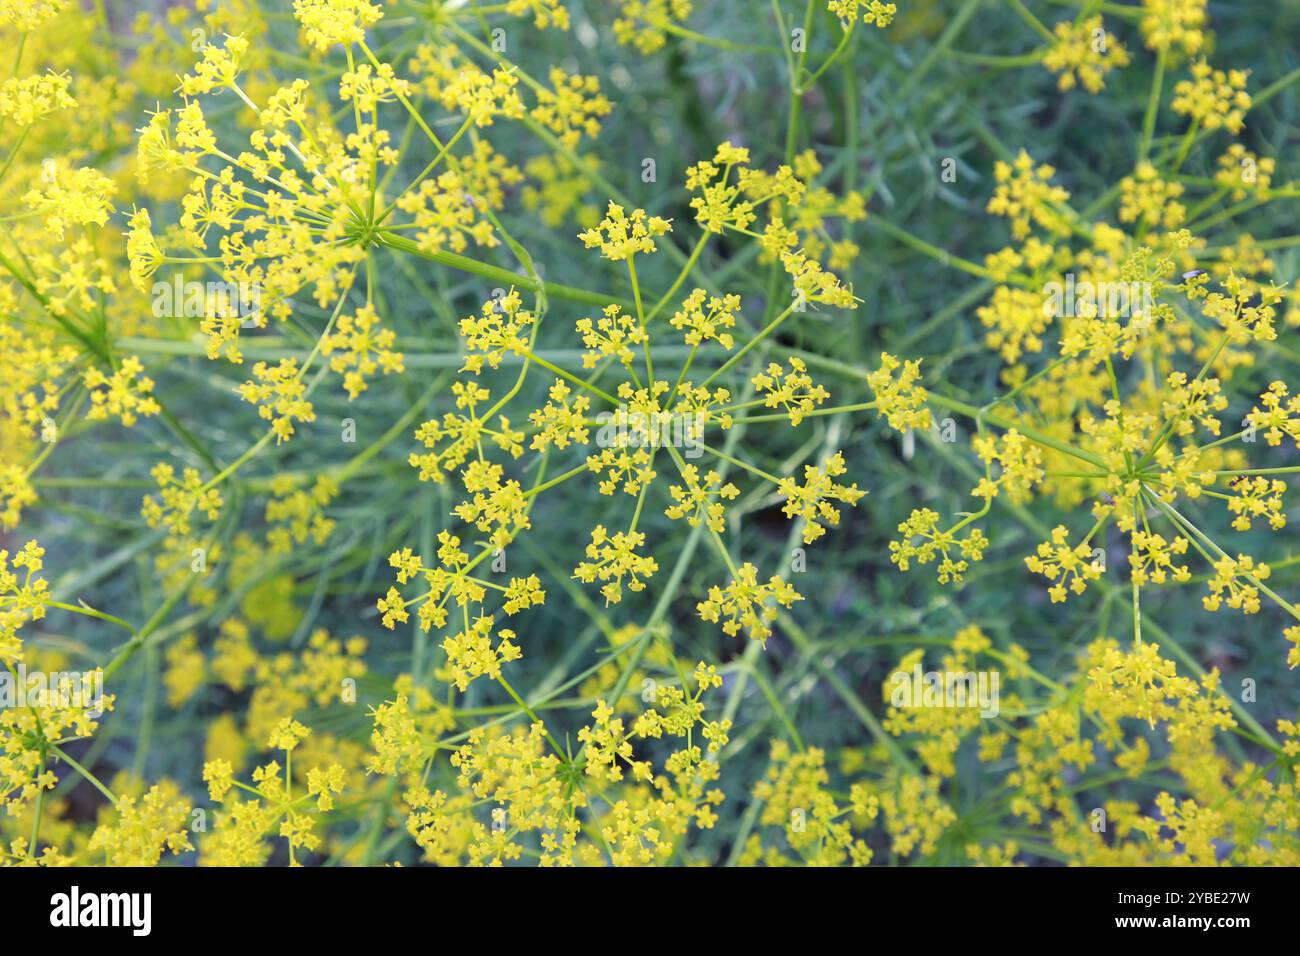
point(27, 15)
point(1084, 52)
point(1240, 579)
point(874, 12)
point(482, 97)
point(546, 13)
point(644, 23)
point(471, 654)
point(900, 399)
point(630, 467)
point(395, 739)
point(126, 394)
point(1277, 415)
point(811, 501)
point(792, 390)
point(177, 500)
point(701, 499)
point(1152, 558)
point(280, 396)
point(935, 542)
point(28, 99)
point(1067, 567)
point(606, 744)
point(185, 672)
point(137, 832)
point(572, 109)
point(1169, 23)
point(1149, 200)
point(745, 604)
point(1020, 460)
point(288, 733)
point(613, 334)
point(362, 347)
point(719, 205)
point(613, 558)
point(218, 775)
point(296, 515)
point(447, 215)
point(327, 22)
point(706, 318)
point(20, 601)
point(621, 237)
point(1214, 99)
point(1016, 320)
point(459, 435)
point(1025, 195)
point(1242, 172)
point(142, 250)
point(796, 797)
point(325, 785)
point(368, 86)
point(497, 508)
point(560, 421)
point(72, 197)
point(217, 69)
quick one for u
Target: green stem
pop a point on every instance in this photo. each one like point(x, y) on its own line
point(497, 274)
point(90, 777)
point(771, 327)
point(1153, 105)
point(568, 376)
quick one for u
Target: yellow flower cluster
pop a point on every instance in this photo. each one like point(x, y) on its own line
point(280, 396)
point(31, 98)
point(645, 24)
point(214, 195)
point(1214, 99)
point(358, 347)
point(874, 12)
point(124, 395)
point(748, 605)
point(620, 236)
point(1083, 53)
